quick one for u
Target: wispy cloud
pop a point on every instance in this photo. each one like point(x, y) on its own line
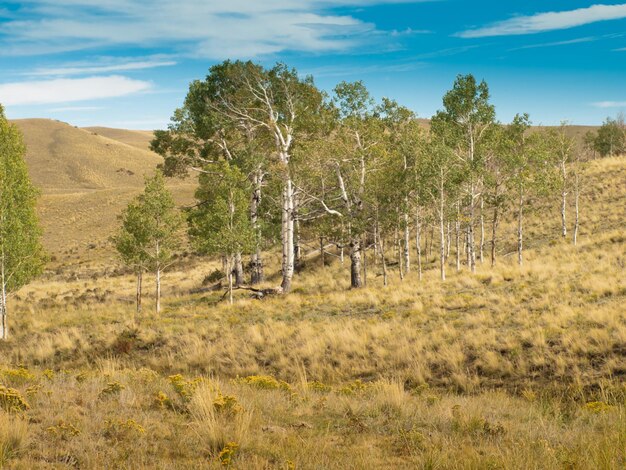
point(610, 104)
point(206, 28)
point(548, 21)
point(83, 69)
point(557, 43)
point(354, 70)
point(70, 109)
point(66, 90)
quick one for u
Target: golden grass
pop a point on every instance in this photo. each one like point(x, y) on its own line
point(510, 368)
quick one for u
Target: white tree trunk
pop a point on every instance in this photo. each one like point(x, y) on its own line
point(576, 208)
point(230, 280)
point(4, 327)
point(256, 260)
point(158, 280)
point(287, 236)
point(442, 240)
point(407, 239)
point(355, 263)
point(520, 216)
point(482, 229)
point(563, 199)
point(418, 242)
point(238, 270)
point(457, 229)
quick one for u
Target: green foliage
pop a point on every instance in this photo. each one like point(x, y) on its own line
point(220, 222)
point(21, 253)
point(610, 138)
point(150, 231)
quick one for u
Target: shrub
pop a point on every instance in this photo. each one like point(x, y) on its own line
point(12, 400)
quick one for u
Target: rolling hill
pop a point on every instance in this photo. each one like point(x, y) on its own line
point(86, 179)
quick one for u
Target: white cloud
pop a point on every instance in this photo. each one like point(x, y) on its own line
point(83, 69)
point(207, 28)
point(65, 90)
point(610, 104)
point(556, 43)
point(548, 21)
point(70, 109)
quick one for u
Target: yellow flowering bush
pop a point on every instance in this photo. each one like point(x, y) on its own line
point(120, 429)
point(227, 454)
point(12, 400)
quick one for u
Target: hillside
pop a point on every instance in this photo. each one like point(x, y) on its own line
point(138, 139)
point(513, 367)
point(85, 180)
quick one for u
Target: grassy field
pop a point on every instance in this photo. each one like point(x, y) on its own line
point(510, 368)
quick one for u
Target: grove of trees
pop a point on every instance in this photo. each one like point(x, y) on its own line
point(281, 161)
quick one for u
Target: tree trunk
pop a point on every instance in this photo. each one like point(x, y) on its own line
point(494, 229)
point(297, 248)
point(238, 270)
point(576, 208)
point(287, 236)
point(520, 247)
point(4, 327)
point(482, 229)
point(448, 242)
point(418, 241)
point(256, 260)
point(355, 263)
point(442, 240)
point(364, 247)
point(457, 228)
point(399, 252)
point(322, 252)
point(430, 241)
point(563, 199)
point(230, 280)
point(383, 260)
point(158, 290)
point(139, 288)
point(407, 239)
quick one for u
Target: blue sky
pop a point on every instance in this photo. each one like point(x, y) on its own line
point(128, 63)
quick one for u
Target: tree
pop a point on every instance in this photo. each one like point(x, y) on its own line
point(150, 232)
point(441, 176)
point(131, 243)
point(21, 253)
point(282, 107)
point(200, 134)
point(610, 138)
point(562, 152)
point(462, 125)
point(350, 154)
point(219, 223)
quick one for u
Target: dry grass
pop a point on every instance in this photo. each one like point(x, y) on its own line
point(510, 368)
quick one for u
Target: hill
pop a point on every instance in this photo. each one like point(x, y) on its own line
point(138, 139)
point(86, 179)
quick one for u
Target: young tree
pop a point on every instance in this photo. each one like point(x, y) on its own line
point(563, 150)
point(21, 253)
point(150, 233)
point(462, 124)
point(441, 177)
point(131, 243)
